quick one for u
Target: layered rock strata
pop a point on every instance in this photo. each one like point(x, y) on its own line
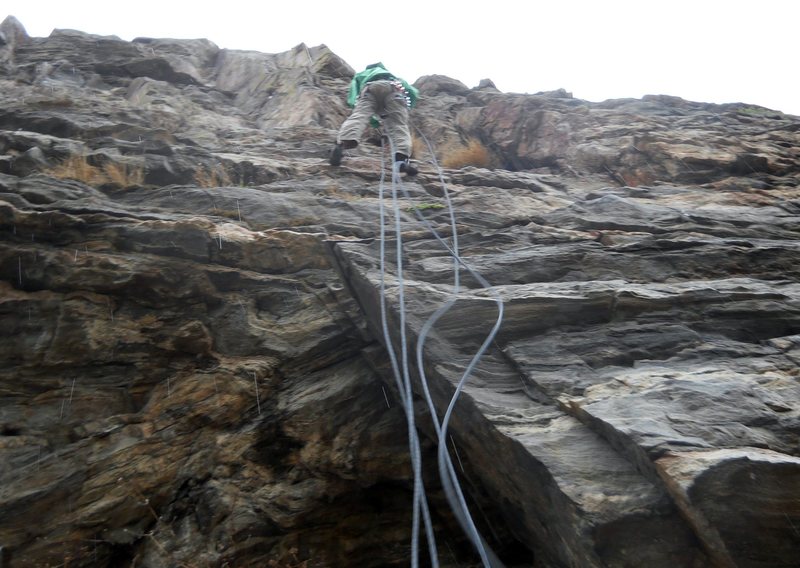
point(193, 368)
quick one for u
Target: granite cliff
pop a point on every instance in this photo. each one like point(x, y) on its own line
point(193, 372)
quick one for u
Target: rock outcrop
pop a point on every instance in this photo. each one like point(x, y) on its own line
point(193, 368)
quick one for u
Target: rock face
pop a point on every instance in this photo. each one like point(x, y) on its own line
point(194, 372)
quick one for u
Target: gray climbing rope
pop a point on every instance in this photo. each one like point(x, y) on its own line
point(447, 471)
point(402, 376)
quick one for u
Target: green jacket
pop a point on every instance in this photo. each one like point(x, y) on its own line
point(374, 72)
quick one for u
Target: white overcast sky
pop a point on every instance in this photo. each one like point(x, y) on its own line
point(702, 50)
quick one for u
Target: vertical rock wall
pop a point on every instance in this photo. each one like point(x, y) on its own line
point(193, 372)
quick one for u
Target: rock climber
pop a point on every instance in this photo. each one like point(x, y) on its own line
point(377, 94)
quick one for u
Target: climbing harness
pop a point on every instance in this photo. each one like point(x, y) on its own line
point(400, 368)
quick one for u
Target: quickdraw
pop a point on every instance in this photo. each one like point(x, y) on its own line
point(398, 86)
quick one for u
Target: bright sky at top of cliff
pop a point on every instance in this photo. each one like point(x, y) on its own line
point(702, 50)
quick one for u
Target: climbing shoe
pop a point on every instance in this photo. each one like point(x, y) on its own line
point(336, 155)
point(405, 167)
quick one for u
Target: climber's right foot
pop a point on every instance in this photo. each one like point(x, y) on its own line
point(336, 155)
point(405, 167)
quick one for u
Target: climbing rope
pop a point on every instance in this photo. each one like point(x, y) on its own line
point(402, 375)
point(449, 478)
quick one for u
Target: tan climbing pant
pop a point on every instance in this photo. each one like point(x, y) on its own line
point(383, 99)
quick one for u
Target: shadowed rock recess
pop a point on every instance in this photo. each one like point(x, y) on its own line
point(193, 370)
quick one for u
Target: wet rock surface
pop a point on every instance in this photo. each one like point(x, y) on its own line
point(193, 369)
